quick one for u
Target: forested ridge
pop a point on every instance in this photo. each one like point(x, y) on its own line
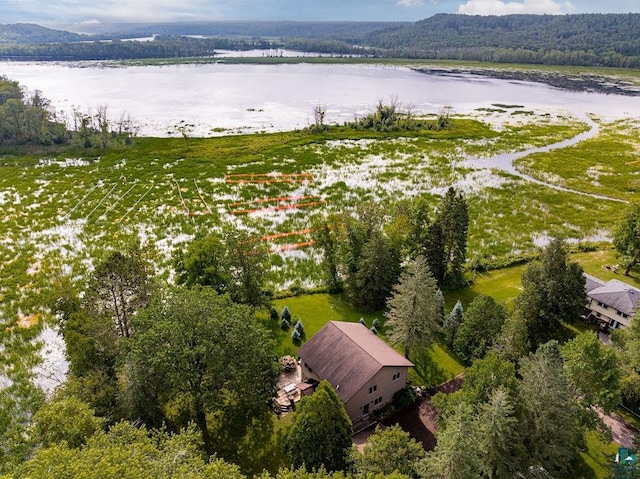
point(610, 40)
point(588, 39)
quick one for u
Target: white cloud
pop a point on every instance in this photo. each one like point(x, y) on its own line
point(410, 3)
point(500, 7)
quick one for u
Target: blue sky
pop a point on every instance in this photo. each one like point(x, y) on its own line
point(77, 11)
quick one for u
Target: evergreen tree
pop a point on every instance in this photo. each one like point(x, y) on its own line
point(500, 443)
point(413, 318)
point(325, 238)
point(513, 342)
point(550, 416)
point(377, 271)
point(457, 454)
point(433, 250)
point(452, 322)
point(453, 219)
point(320, 432)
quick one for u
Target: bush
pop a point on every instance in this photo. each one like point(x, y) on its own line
point(374, 330)
point(286, 315)
point(404, 398)
point(284, 324)
point(273, 314)
point(362, 321)
point(295, 335)
point(299, 327)
point(376, 323)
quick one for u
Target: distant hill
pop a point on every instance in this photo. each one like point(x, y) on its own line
point(266, 29)
point(579, 39)
point(29, 33)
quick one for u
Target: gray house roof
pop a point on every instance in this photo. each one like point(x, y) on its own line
point(593, 283)
point(615, 294)
point(348, 355)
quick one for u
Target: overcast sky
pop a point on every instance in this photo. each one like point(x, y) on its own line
point(77, 11)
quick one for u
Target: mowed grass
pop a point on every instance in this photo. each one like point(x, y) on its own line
point(436, 364)
point(597, 457)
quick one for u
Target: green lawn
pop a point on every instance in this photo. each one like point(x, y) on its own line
point(437, 364)
point(433, 366)
point(597, 457)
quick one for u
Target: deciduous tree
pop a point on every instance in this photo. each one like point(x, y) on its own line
point(388, 450)
point(119, 286)
point(480, 327)
point(211, 355)
point(592, 368)
point(553, 291)
point(627, 238)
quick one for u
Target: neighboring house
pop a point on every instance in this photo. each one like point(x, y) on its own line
point(364, 370)
point(612, 303)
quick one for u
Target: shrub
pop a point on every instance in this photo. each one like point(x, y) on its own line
point(286, 315)
point(404, 398)
point(373, 329)
point(295, 335)
point(299, 327)
point(273, 314)
point(284, 324)
point(376, 323)
point(362, 321)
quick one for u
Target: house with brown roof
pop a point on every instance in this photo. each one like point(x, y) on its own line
point(611, 303)
point(364, 370)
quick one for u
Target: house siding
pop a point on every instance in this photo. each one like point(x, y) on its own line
point(607, 315)
point(386, 387)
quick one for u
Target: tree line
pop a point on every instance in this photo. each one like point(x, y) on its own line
point(28, 118)
point(609, 40)
point(589, 39)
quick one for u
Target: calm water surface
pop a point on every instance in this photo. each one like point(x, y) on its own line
point(282, 97)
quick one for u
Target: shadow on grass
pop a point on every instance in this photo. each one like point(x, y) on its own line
point(426, 369)
point(261, 446)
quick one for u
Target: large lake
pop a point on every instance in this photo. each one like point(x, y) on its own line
point(282, 97)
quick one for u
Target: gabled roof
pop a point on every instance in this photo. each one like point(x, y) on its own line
point(348, 355)
point(616, 294)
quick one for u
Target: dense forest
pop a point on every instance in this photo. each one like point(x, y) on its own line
point(593, 39)
point(610, 40)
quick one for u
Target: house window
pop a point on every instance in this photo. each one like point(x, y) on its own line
point(602, 305)
point(396, 376)
point(373, 388)
point(621, 314)
point(365, 409)
point(377, 401)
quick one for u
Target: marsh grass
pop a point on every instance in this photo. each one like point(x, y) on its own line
point(65, 210)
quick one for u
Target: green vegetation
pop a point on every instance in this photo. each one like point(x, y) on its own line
point(69, 214)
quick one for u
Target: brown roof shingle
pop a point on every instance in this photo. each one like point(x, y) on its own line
point(348, 355)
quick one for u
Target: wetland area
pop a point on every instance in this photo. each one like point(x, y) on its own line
point(533, 160)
